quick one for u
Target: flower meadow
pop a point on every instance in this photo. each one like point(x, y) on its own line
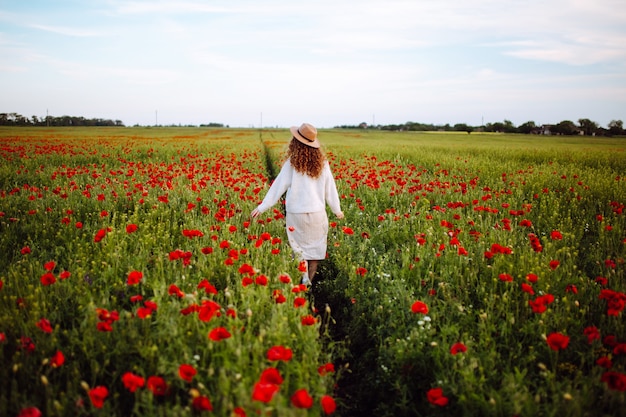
point(472, 275)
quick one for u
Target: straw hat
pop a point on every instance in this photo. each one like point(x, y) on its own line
point(306, 134)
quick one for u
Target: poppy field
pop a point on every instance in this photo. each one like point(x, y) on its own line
point(472, 275)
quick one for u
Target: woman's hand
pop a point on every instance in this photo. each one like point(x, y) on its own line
point(340, 215)
point(254, 213)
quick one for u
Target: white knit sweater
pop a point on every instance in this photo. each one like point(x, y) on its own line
point(304, 193)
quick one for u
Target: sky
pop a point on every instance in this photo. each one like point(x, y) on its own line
point(278, 63)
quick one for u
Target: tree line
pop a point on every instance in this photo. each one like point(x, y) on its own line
point(585, 127)
point(15, 119)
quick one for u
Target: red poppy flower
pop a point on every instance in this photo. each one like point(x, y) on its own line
point(527, 288)
point(271, 376)
point(48, 279)
point(174, 290)
point(532, 278)
point(202, 403)
point(556, 235)
point(65, 274)
point(458, 348)
point(302, 399)
point(186, 372)
point(615, 380)
point(347, 230)
point(328, 404)
point(279, 353)
point(207, 286)
point(45, 325)
point(57, 360)
point(557, 341)
point(134, 277)
point(435, 396)
point(554, 264)
point(100, 234)
point(299, 302)
point(284, 278)
point(132, 382)
point(25, 250)
point(308, 320)
point(97, 395)
point(208, 310)
point(103, 326)
point(131, 228)
point(361, 271)
point(218, 334)
point(505, 277)
point(264, 392)
point(604, 362)
point(157, 385)
point(419, 307)
point(29, 412)
point(326, 369)
point(592, 333)
point(49, 266)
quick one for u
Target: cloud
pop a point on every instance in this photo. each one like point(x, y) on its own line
point(66, 30)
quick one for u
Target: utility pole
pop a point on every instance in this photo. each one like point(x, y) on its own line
point(156, 118)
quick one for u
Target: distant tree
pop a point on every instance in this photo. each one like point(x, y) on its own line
point(462, 127)
point(527, 127)
point(566, 127)
point(616, 127)
point(588, 127)
point(509, 127)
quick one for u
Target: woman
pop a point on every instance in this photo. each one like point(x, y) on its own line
point(309, 183)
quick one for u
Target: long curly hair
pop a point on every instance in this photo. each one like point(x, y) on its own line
point(305, 159)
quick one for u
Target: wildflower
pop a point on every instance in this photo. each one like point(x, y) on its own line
point(299, 302)
point(264, 392)
point(100, 234)
point(25, 251)
point(57, 360)
point(328, 404)
point(186, 372)
point(48, 279)
point(308, 320)
point(279, 353)
point(131, 228)
point(97, 395)
point(615, 380)
point(44, 325)
point(557, 341)
point(361, 271)
point(539, 304)
point(505, 277)
point(202, 403)
point(134, 277)
point(435, 396)
point(326, 369)
point(302, 399)
point(458, 348)
point(347, 230)
point(29, 412)
point(532, 278)
point(419, 307)
point(132, 382)
point(527, 288)
point(174, 290)
point(556, 235)
point(157, 385)
point(218, 334)
point(592, 333)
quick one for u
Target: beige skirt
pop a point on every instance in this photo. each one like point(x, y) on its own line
point(307, 234)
